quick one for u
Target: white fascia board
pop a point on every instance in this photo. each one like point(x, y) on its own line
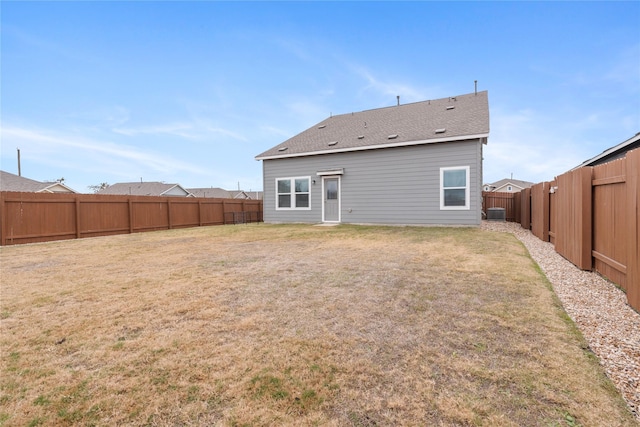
point(49, 188)
point(375, 147)
point(186, 193)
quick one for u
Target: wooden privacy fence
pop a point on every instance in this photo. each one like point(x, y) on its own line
point(591, 215)
point(509, 201)
point(40, 217)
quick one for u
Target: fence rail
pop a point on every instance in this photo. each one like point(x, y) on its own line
point(40, 217)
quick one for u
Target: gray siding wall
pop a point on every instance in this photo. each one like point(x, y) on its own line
point(384, 186)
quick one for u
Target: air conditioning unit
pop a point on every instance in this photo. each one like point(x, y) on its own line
point(496, 214)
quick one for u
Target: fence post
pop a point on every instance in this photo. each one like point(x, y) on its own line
point(78, 234)
point(224, 213)
point(525, 208)
point(586, 233)
point(3, 220)
point(130, 203)
point(169, 213)
point(633, 228)
point(547, 212)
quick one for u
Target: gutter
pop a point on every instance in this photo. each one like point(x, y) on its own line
point(482, 136)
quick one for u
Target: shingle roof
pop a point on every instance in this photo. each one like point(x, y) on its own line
point(214, 192)
point(11, 182)
point(416, 123)
point(139, 188)
point(220, 193)
point(517, 182)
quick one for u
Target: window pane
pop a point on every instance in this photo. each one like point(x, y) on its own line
point(284, 186)
point(302, 200)
point(455, 178)
point(284, 201)
point(302, 185)
point(454, 197)
point(332, 189)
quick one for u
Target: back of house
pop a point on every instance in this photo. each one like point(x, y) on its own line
point(413, 164)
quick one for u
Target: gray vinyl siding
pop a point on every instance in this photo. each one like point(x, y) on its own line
point(384, 186)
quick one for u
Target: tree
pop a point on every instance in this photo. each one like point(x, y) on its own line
point(98, 187)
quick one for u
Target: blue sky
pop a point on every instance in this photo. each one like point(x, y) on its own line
point(191, 92)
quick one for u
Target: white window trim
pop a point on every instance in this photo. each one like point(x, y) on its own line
point(467, 193)
point(293, 193)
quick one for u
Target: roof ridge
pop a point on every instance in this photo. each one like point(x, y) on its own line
point(412, 103)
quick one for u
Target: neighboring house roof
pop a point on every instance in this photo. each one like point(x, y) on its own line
point(440, 120)
point(496, 186)
point(146, 189)
point(247, 195)
point(613, 153)
point(11, 182)
point(220, 193)
point(213, 192)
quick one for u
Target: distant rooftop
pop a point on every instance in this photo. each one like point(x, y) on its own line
point(12, 182)
point(145, 189)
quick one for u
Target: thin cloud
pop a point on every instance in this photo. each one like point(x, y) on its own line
point(48, 44)
point(407, 92)
point(296, 48)
point(523, 143)
point(189, 130)
point(183, 130)
point(277, 131)
point(106, 116)
point(57, 146)
point(626, 71)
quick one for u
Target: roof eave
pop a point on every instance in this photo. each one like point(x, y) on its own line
point(482, 136)
point(48, 188)
point(609, 151)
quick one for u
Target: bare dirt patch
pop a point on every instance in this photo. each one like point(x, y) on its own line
point(292, 325)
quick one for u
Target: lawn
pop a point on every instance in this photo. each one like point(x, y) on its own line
point(292, 325)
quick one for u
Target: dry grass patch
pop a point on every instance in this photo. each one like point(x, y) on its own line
point(292, 325)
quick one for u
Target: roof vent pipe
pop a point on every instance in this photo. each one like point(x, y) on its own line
point(398, 98)
point(475, 82)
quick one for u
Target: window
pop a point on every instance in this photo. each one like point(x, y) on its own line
point(292, 193)
point(454, 188)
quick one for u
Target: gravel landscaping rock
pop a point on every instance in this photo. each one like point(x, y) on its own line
point(598, 308)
